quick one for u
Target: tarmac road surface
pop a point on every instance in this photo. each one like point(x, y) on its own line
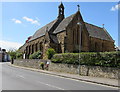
point(21, 79)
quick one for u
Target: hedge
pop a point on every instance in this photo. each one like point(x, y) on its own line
point(108, 59)
point(35, 55)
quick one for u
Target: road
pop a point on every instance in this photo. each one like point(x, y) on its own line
point(22, 79)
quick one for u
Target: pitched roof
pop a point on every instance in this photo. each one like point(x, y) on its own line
point(54, 38)
point(61, 27)
point(63, 24)
point(41, 32)
point(22, 48)
point(98, 32)
point(94, 31)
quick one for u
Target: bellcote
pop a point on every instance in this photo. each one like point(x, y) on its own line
point(61, 11)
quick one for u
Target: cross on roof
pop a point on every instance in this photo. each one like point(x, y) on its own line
point(78, 7)
point(103, 25)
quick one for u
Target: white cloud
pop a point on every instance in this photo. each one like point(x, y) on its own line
point(32, 21)
point(37, 18)
point(16, 21)
point(116, 7)
point(9, 45)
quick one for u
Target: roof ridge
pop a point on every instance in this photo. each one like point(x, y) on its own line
point(33, 38)
point(107, 33)
point(66, 21)
point(46, 24)
point(70, 16)
point(101, 32)
point(93, 25)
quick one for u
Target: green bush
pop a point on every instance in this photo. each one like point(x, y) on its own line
point(108, 59)
point(50, 53)
point(19, 55)
point(42, 65)
point(35, 55)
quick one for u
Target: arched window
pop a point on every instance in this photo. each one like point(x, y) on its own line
point(41, 47)
point(29, 49)
point(36, 48)
point(32, 48)
point(78, 36)
point(73, 36)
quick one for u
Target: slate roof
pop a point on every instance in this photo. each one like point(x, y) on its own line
point(53, 37)
point(22, 48)
point(93, 30)
point(63, 24)
point(98, 32)
point(41, 31)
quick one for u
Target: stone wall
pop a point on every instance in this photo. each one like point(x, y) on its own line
point(61, 38)
point(31, 63)
point(95, 71)
point(100, 45)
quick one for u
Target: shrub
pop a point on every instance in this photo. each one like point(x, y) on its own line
point(50, 53)
point(108, 59)
point(42, 65)
point(35, 55)
point(19, 55)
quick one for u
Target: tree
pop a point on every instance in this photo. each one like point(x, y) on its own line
point(50, 53)
point(12, 53)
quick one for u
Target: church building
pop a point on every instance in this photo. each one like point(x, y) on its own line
point(70, 34)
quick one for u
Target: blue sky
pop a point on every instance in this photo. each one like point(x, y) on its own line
point(21, 19)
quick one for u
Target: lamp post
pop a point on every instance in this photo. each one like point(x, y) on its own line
point(80, 30)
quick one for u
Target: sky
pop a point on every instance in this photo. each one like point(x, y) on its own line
point(21, 19)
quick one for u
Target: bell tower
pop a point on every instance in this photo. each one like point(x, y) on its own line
point(61, 11)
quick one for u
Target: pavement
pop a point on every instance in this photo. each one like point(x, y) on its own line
point(89, 79)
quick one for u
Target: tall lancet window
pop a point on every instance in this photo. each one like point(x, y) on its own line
point(73, 36)
point(32, 48)
point(78, 36)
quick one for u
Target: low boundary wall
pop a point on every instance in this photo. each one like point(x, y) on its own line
point(95, 71)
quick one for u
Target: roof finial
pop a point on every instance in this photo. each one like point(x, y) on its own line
point(78, 7)
point(103, 25)
point(61, 5)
